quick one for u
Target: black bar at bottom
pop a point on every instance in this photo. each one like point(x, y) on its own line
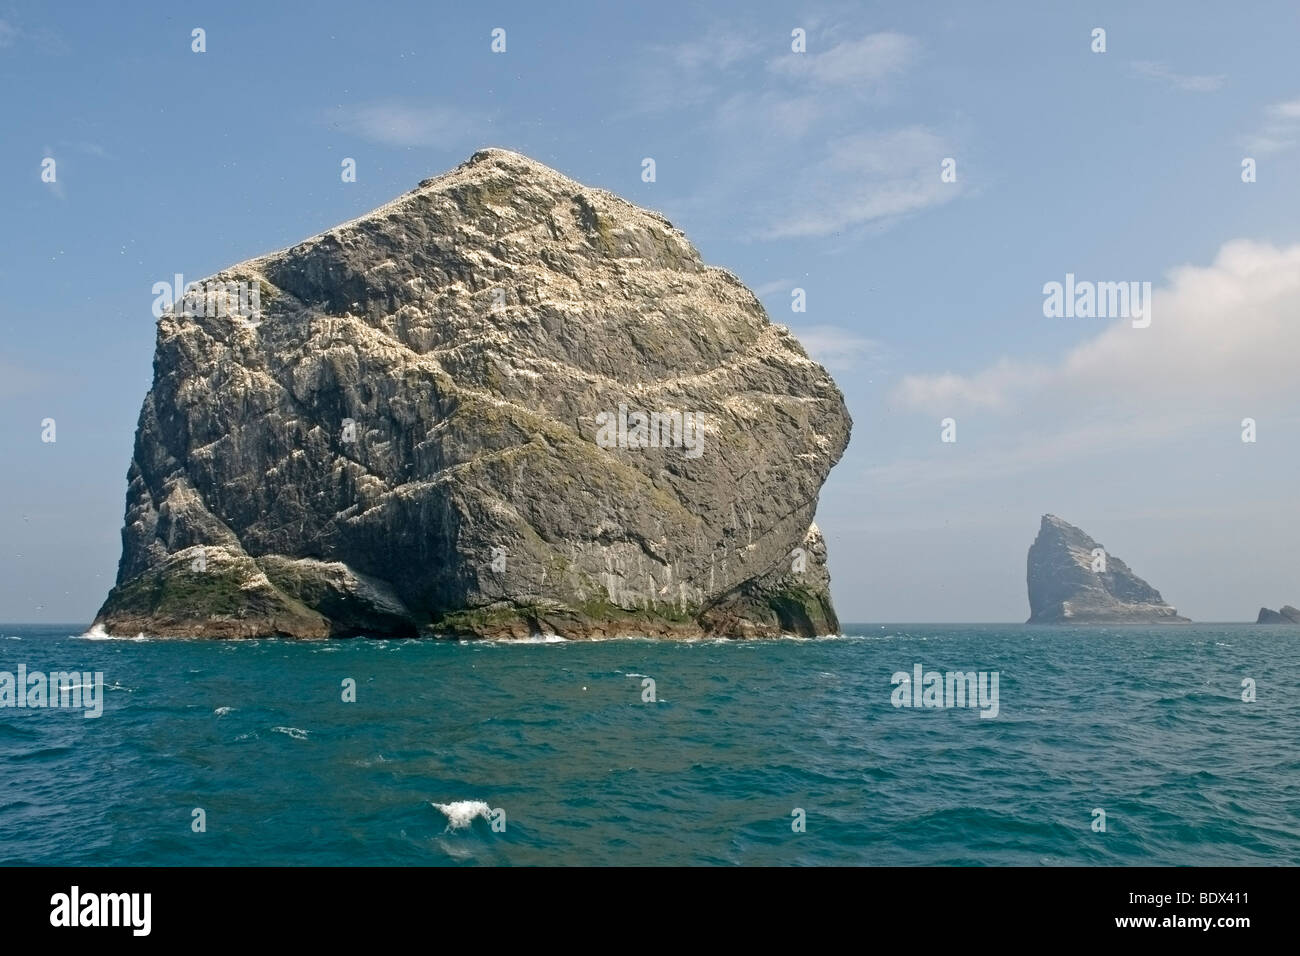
point(945, 905)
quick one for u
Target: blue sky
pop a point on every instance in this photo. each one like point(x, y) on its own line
point(818, 170)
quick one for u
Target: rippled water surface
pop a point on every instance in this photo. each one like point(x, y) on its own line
point(1147, 724)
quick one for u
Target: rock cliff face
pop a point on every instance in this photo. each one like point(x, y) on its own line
point(1287, 615)
point(1064, 588)
point(503, 404)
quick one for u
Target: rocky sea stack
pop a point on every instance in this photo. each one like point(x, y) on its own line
point(503, 404)
point(1072, 580)
point(1286, 615)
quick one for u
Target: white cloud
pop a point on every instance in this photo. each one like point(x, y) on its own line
point(1003, 459)
point(769, 288)
point(865, 178)
point(399, 124)
point(1221, 346)
point(1272, 140)
point(1279, 131)
point(772, 115)
point(690, 74)
point(856, 63)
point(1188, 83)
point(15, 379)
point(992, 388)
point(753, 116)
point(718, 49)
point(8, 33)
point(1289, 110)
point(840, 349)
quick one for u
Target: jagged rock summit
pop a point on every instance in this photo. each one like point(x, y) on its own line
point(1287, 614)
point(503, 404)
point(1073, 581)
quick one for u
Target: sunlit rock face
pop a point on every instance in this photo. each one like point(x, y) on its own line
point(503, 404)
point(1073, 581)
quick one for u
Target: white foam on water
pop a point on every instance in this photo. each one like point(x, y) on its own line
point(222, 711)
point(296, 733)
point(457, 852)
point(461, 813)
point(97, 633)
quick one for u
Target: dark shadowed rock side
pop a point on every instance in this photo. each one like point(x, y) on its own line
point(1287, 615)
point(1064, 588)
point(436, 426)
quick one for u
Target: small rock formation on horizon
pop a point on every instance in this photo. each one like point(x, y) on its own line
point(1064, 588)
point(439, 422)
point(1286, 615)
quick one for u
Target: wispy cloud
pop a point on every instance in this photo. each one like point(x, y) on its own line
point(15, 380)
point(718, 48)
point(992, 388)
point(693, 72)
point(94, 149)
point(1186, 82)
point(401, 124)
point(1280, 129)
point(864, 178)
point(853, 63)
point(1289, 110)
point(758, 116)
point(42, 39)
point(1220, 347)
point(840, 349)
point(771, 115)
point(1005, 459)
point(776, 285)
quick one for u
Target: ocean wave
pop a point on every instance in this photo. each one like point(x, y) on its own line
point(461, 813)
point(648, 639)
point(455, 852)
point(97, 633)
point(222, 711)
point(297, 733)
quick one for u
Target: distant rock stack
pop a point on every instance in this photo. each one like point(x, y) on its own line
point(503, 404)
point(1287, 615)
point(1072, 580)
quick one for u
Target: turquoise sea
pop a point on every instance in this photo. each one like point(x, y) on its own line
point(1147, 724)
